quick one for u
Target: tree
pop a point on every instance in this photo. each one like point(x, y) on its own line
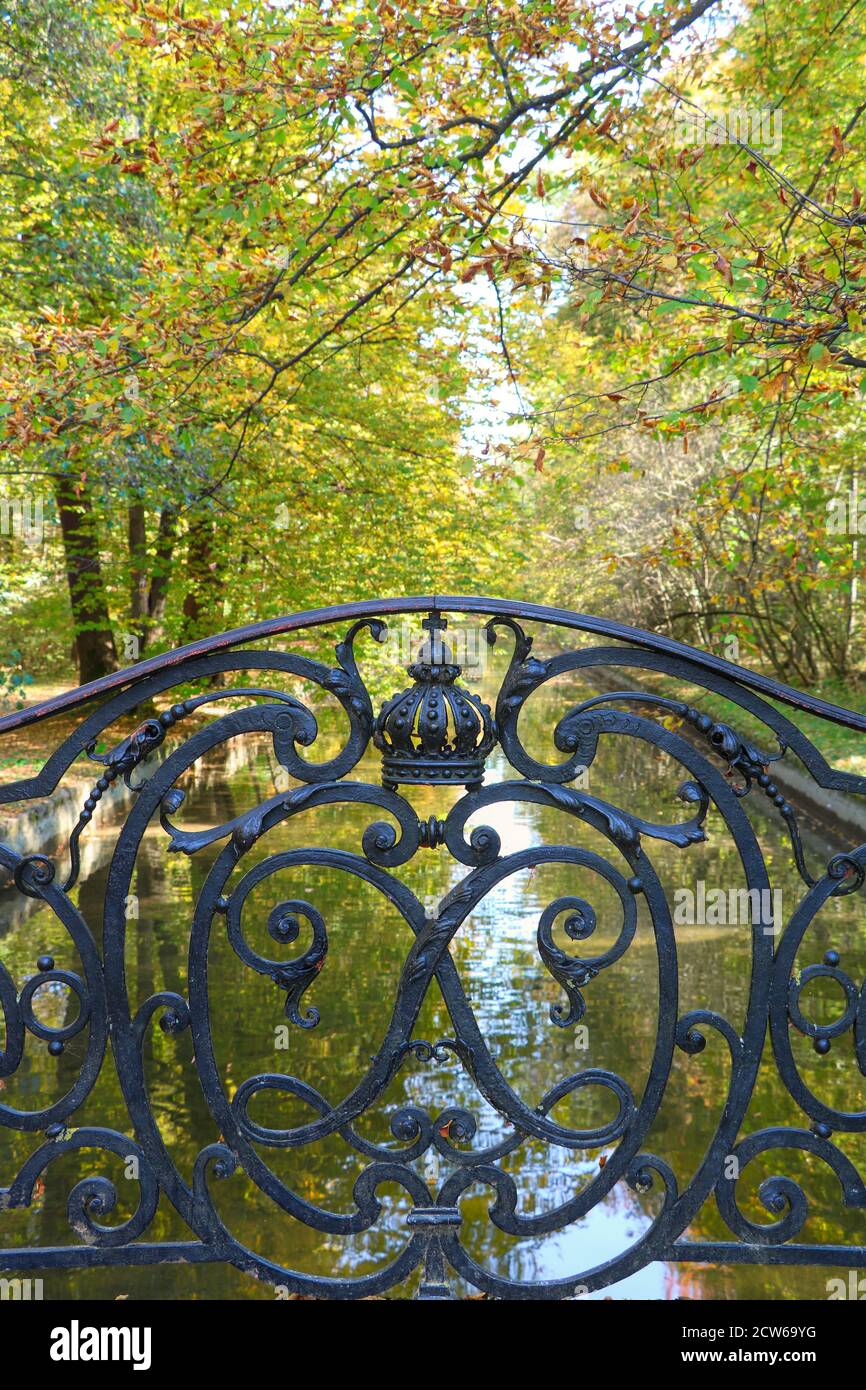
point(712, 288)
point(281, 205)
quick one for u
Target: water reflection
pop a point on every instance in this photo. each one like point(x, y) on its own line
point(497, 958)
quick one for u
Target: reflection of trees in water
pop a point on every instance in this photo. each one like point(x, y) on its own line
point(497, 957)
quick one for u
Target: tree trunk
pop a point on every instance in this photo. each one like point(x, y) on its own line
point(94, 641)
point(203, 602)
point(853, 591)
point(157, 595)
point(138, 593)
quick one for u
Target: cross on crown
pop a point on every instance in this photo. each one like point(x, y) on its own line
point(434, 651)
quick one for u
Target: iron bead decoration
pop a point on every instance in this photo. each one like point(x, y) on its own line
point(434, 733)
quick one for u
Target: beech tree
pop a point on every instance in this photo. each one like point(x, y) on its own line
point(269, 265)
point(274, 197)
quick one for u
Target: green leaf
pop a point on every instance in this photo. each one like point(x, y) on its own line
point(404, 82)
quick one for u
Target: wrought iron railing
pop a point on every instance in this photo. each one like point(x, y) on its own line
point(435, 733)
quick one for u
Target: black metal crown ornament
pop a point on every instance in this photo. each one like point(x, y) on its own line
point(436, 732)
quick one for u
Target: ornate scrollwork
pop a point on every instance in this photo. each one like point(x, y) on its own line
point(439, 1154)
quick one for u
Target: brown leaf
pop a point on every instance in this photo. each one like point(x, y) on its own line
point(631, 225)
point(606, 123)
point(774, 386)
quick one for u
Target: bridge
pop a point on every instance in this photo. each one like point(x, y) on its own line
point(435, 733)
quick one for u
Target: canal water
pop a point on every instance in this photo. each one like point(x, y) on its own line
point(511, 993)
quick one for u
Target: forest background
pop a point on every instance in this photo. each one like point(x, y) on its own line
point(306, 303)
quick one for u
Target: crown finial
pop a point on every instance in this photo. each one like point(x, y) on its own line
point(436, 732)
